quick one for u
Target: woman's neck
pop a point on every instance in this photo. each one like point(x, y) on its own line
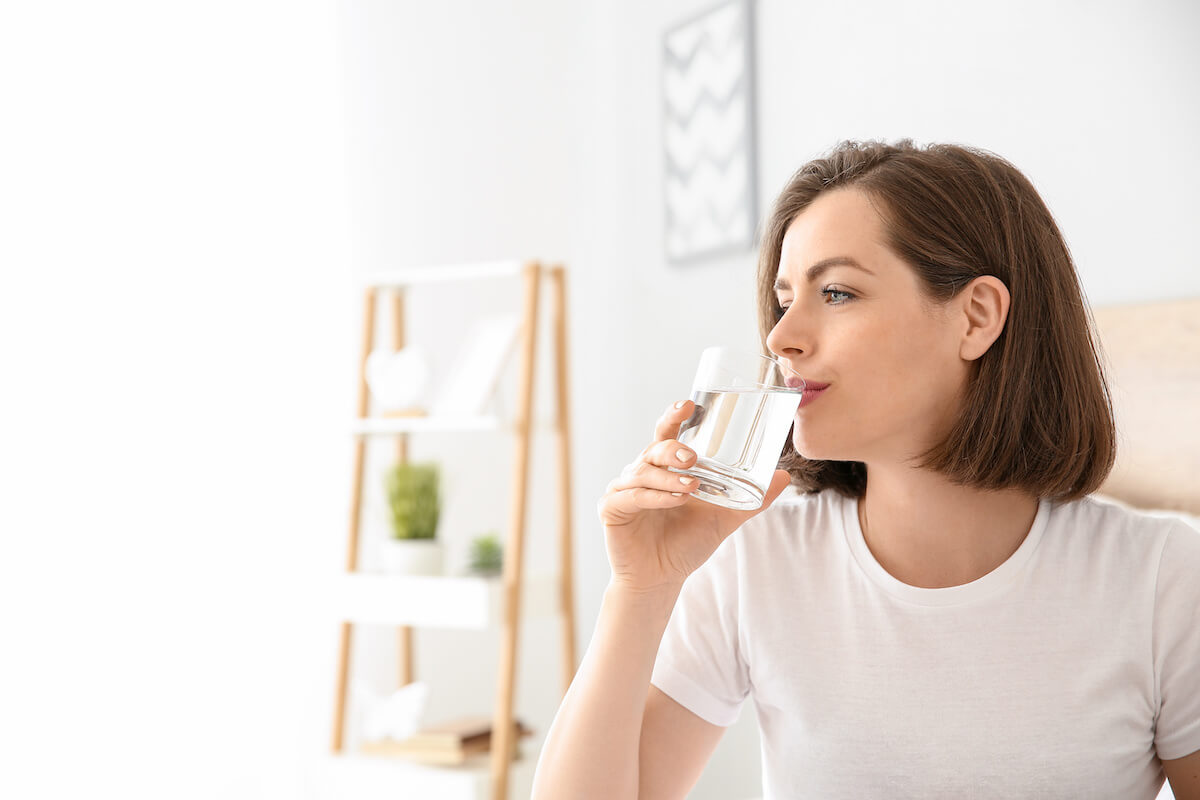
point(930, 533)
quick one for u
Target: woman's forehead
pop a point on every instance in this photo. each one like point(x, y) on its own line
point(842, 222)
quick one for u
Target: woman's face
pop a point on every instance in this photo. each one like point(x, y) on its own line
point(892, 360)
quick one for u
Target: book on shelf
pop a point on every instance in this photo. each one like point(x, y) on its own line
point(450, 743)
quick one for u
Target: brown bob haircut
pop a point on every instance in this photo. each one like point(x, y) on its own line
point(1038, 412)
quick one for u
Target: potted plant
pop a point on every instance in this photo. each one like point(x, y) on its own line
point(487, 557)
point(414, 503)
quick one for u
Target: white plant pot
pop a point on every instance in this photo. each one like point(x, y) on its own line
point(412, 556)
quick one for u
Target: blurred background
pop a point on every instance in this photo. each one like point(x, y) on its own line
point(190, 194)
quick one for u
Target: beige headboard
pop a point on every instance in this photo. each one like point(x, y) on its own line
point(1153, 352)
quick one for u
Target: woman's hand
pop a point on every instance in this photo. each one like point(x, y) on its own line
point(655, 532)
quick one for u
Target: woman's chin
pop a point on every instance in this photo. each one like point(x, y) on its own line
point(819, 451)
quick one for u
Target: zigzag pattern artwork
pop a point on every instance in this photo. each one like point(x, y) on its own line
point(708, 133)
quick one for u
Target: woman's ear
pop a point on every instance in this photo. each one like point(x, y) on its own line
point(984, 308)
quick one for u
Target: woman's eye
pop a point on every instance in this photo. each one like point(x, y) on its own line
point(838, 298)
point(846, 296)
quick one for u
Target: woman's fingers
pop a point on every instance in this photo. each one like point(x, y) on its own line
point(646, 475)
point(617, 506)
point(647, 483)
point(670, 453)
point(668, 424)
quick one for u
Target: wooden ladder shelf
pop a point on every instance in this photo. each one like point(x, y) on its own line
point(394, 285)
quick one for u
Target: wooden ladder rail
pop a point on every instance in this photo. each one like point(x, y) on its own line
point(503, 735)
point(360, 451)
point(566, 569)
point(405, 672)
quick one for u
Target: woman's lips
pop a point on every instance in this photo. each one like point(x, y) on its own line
point(810, 395)
point(795, 382)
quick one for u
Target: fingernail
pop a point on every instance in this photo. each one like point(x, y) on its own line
point(682, 455)
point(686, 481)
point(680, 403)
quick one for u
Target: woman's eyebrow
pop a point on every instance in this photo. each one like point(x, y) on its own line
point(821, 266)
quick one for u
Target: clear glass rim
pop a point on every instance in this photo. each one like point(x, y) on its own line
point(775, 360)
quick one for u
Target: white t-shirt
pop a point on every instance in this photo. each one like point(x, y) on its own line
point(1067, 671)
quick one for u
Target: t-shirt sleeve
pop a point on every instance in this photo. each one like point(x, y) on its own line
point(1177, 645)
point(699, 663)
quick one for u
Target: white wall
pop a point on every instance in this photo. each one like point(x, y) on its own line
point(175, 377)
point(1095, 101)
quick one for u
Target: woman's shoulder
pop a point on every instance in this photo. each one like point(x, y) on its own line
point(1100, 522)
point(1103, 512)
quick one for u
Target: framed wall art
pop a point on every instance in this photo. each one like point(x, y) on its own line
point(709, 134)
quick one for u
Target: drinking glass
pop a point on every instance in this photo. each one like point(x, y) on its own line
point(745, 404)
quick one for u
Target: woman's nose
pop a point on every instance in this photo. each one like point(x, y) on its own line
point(785, 338)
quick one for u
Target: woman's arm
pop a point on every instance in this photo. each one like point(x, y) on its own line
point(676, 746)
point(607, 739)
point(1184, 775)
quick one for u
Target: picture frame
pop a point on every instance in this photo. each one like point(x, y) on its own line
point(710, 181)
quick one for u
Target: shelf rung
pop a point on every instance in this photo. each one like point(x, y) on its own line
point(441, 274)
point(468, 603)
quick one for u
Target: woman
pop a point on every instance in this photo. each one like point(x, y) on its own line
point(943, 611)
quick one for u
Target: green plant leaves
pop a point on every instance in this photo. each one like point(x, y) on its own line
point(486, 555)
point(414, 500)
